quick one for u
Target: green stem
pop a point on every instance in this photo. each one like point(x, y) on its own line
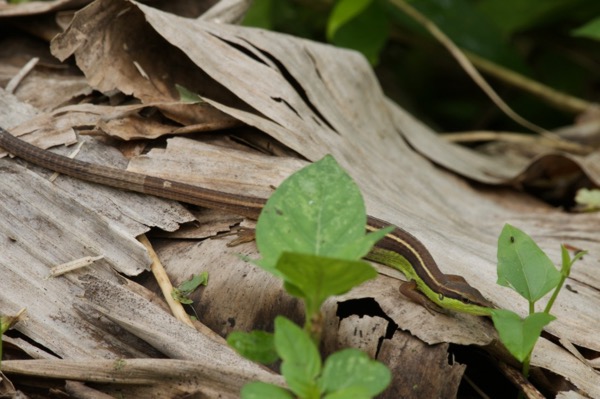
point(308, 323)
point(564, 273)
point(1, 335)
point(526, 365)
point(555, 294)
point(525, 372)
point(314, 326)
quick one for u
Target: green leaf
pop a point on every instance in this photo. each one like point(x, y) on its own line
point(180, 297)
point(579, 254)
point(470, 28)
point(367, 32)
point(4, 324)
point(260, 14)
point(588, 200)
point(523, 266)
point(262, 390)
point(516, 15)
point(318, 210)
point(258, 346)
point(301, 362)
point(315, 278)
point(590, 30)
point(344, 11)
point(348, 393)
point(184, 290)
point(519, 335)
point(187, 96)
point(566, 261)
point(352, 371)
point(190, 285)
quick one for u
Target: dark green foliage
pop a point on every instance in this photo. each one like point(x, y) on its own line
point(554, 42)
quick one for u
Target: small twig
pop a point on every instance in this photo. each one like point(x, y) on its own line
point(462, 59)
point(165, 284)
point(14, 82)
point(141, 70)
point(478, 390)
point(519, 381)
point(568, 345)
point(73, 265)
point(72, 155)
point(551, 96)
point(519, 138)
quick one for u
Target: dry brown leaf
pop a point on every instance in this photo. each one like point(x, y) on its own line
point(131, 125)
point(362, 333)
point(61, 82)
point(38, 7)
point(216, 167)
point(427, 373)
point(350, 121)
point(500, 169)
point(124, 122)
point(240, 296)
point(13, 112)
point(151, 378)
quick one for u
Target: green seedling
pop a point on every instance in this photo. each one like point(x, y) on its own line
point(311, 234)
point(349, 373)
point(182, 293)
point(525, 268)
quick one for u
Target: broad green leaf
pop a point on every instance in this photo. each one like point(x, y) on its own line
point(352, 370)
point(317, 278)
point(262, 390)
point(519, 335)
point(258, 346)
point(318, 210)
point(470, 28)
point(523, 266)
point(362, 245)
point(301, 362)
point(344, 11)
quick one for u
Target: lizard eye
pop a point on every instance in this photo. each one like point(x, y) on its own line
point(466, 301)
point(441, 296)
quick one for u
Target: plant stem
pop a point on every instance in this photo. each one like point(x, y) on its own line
point(526, 365)
point(531, 307)
point(314, 326)
point(525, 372)
point(564, 273)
